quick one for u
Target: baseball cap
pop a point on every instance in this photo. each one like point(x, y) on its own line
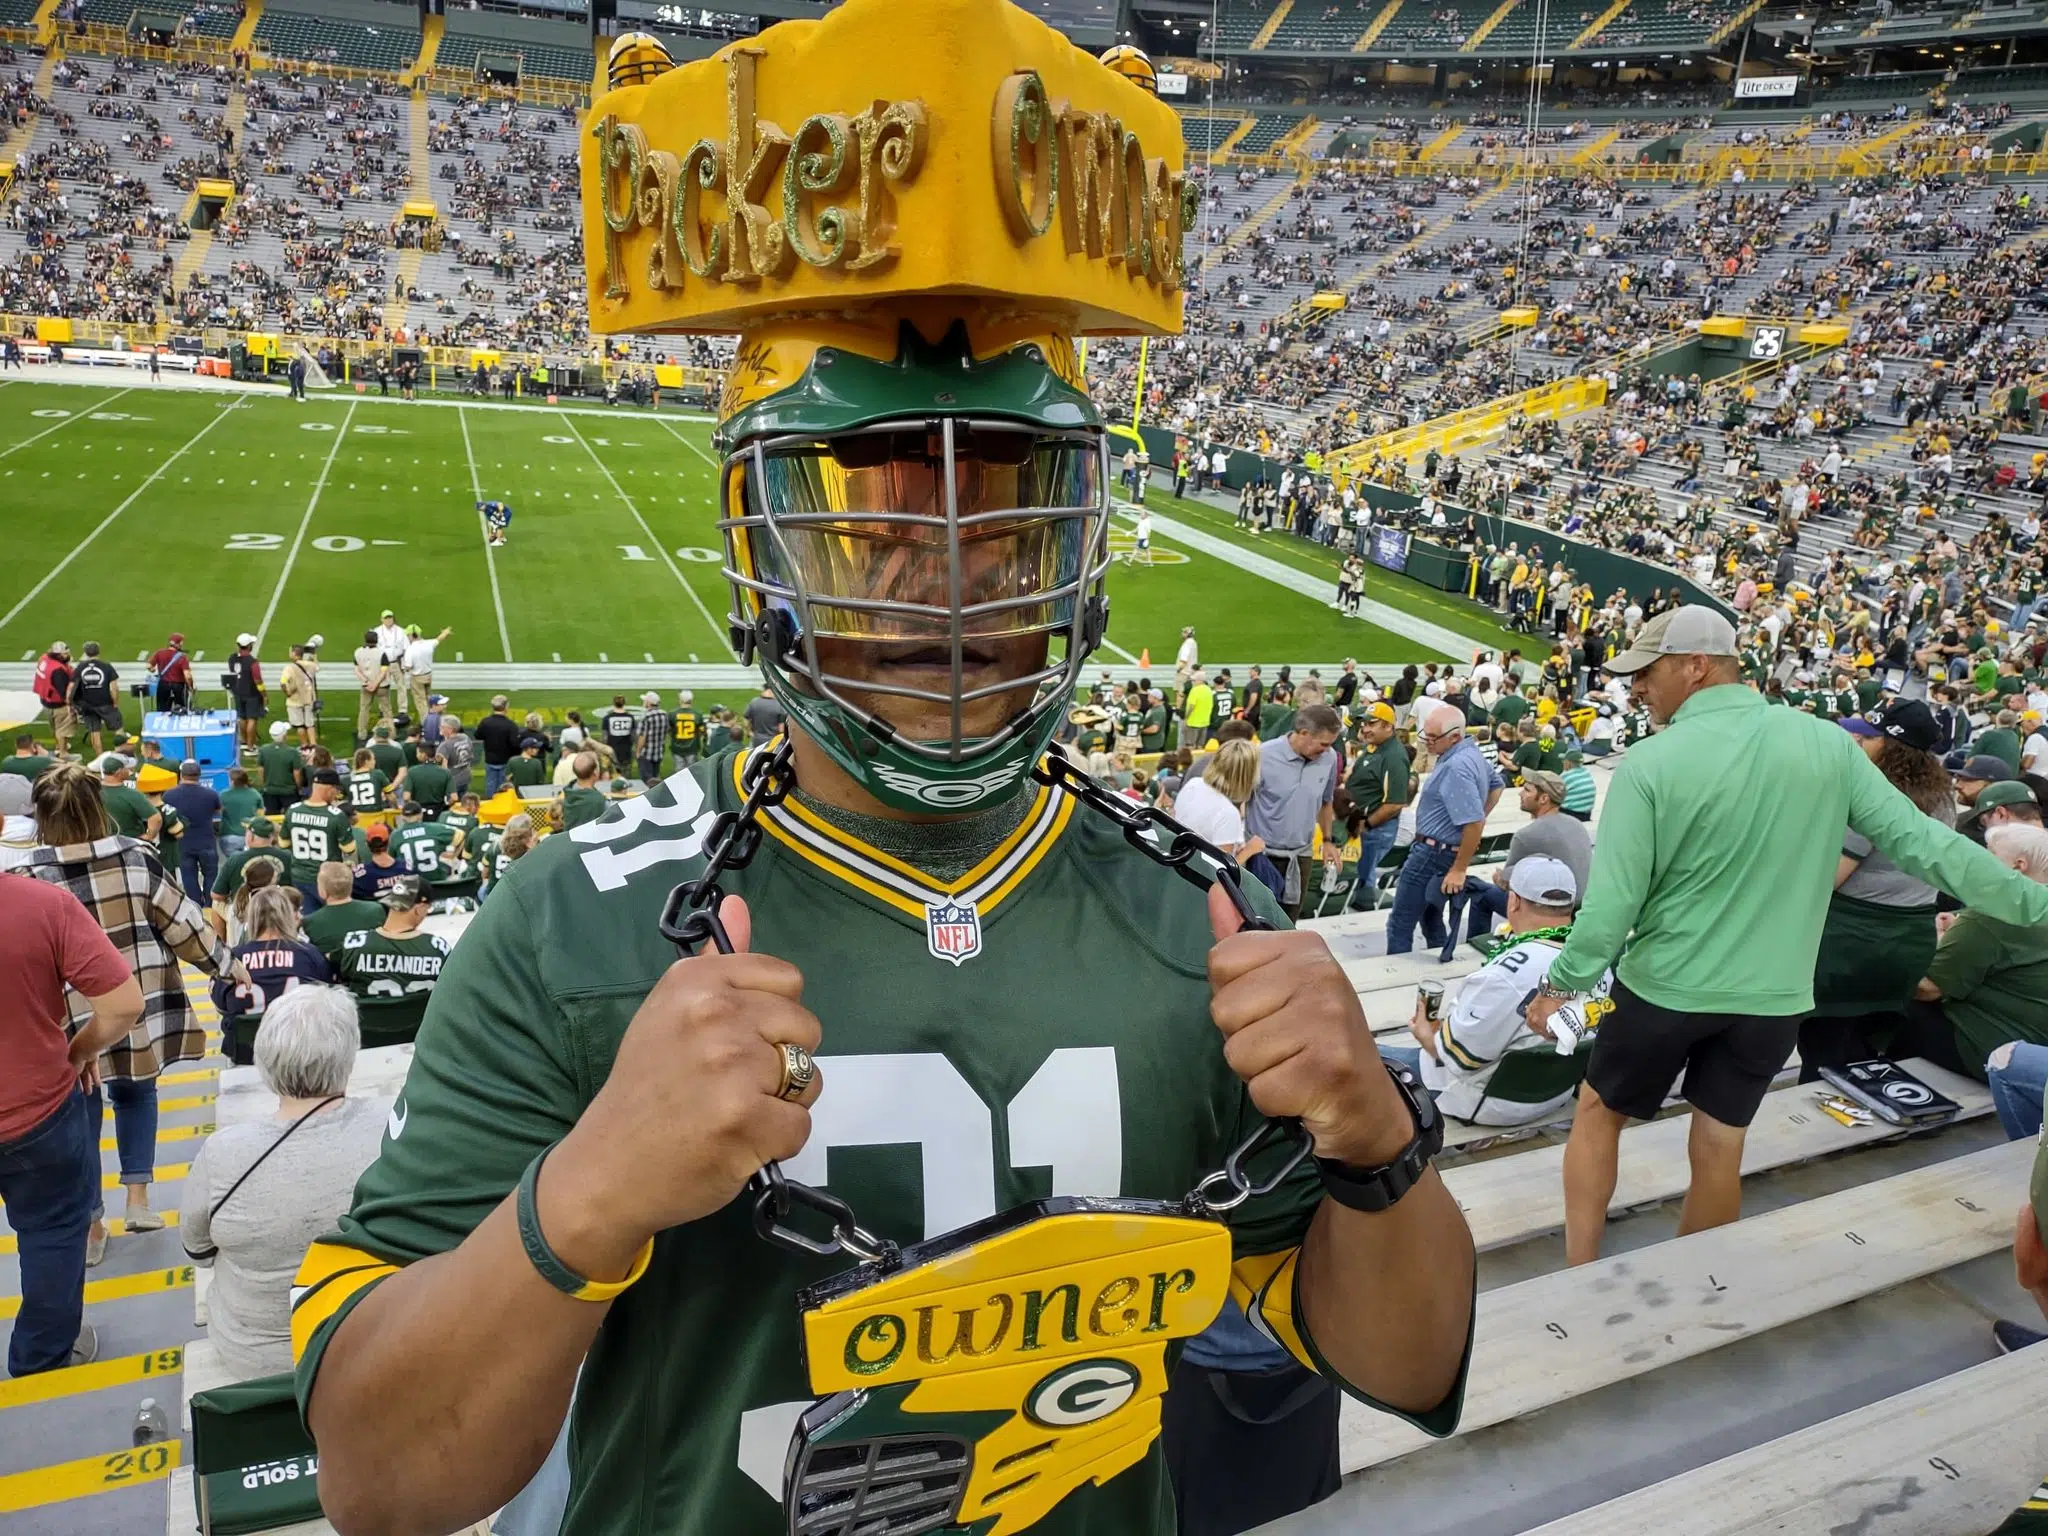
point(59, 648)
point(412, 808)
point(377, 832)
point(1546, 881)
point(176, 638)
point(327, 776)
point(1693, 630)
point(114, 762)
point(2005, 792)
point(277, 730)
point(650, 697)
point(1983, 766)
point(387, 614)
point(245, 638)
point(17, 795)
point(402, 894)
point(1907, 721)
point(1380, 711)
point(1541, 779)
point(437, 698)
point(262, 826)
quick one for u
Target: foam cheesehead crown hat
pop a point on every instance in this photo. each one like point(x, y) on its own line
point(908, 211)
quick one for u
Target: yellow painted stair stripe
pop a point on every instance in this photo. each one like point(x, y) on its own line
point(116, 1227)
point(70, 1382)
point(165, 1173)
point(204, 1075)
point(88, 1475)
point(119, 1288)
point(164, 1134)
point(197, 1101)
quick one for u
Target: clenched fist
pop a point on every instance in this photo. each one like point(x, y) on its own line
point(689, 1112)
point(1294, 1031)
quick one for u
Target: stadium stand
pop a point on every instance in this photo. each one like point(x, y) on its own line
point(386, 48)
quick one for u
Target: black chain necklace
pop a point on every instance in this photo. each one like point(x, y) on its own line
point(690, 920)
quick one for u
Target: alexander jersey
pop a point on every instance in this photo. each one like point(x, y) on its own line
point(391, 979)
point(958, 1084)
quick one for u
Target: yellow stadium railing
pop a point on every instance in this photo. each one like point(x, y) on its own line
point(1475, 424)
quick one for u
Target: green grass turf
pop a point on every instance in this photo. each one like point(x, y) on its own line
point(143, 511)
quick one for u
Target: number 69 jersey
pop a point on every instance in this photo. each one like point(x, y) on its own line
point(1038, 1026)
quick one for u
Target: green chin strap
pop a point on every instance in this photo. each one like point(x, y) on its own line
point(906, 780)
point(840, 392)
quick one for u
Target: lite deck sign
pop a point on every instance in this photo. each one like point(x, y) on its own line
point(891, 149)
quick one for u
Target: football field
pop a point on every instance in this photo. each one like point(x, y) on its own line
point(127, 512)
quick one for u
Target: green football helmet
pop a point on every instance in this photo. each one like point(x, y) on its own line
point(931, 499)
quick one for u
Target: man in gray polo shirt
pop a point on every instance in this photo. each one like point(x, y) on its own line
point(1296, 789)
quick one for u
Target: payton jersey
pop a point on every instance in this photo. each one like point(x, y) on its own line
point(958, 1084)
point(391, 979)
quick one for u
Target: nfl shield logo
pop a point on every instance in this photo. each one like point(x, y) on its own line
point(953, 930)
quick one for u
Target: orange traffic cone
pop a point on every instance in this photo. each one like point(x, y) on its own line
point(1144, 657)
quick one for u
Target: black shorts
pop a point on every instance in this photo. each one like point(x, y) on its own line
point(251, 708)
point(1727, 1059)
point(96, 716)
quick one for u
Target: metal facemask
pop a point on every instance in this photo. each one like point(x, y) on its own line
point(933, 535)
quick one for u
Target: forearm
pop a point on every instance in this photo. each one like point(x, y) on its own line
point(425, 1417)
point(1468, 843)
point(1387, 1297)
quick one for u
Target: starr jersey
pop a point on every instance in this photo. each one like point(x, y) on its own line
point(422, 847)
point(959, 1082)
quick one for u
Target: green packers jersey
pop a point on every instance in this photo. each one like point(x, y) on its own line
point(422, 847)
point(392, 980)
point(313, 835)
point(687, 738)
point(957, 1085)
point(364, 791)
point(465, 822)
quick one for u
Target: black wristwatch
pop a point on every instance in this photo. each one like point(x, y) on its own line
point(1376, 1189)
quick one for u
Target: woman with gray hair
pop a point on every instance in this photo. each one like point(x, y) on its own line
point(257, 1195)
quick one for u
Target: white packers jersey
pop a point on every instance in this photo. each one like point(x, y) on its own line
point(1481, 1025)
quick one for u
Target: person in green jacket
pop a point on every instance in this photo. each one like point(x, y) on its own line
point(1717, 885)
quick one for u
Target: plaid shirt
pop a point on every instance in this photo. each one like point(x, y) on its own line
point(651, 733)
point(155, 924)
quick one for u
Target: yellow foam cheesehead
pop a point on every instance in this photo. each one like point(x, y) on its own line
point(893, 150)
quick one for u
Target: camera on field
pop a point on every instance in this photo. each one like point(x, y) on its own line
point(141, 690)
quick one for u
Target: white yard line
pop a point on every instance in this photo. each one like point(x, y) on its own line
point(108, 521)
point(67, 421)
point(701, 453)
point(490, 555)
point(660, 548)
point(312, 502)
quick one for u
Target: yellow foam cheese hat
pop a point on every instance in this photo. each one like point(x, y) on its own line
point(889, 152)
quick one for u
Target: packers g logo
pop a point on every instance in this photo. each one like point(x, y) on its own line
point(947, 794)
point(1081, 1393)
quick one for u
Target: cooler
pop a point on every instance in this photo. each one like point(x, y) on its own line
point(208, 738)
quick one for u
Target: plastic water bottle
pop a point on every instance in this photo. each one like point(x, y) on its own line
point(151, 1422)
point(1568, 1026)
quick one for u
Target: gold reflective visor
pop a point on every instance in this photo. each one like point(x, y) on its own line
point(881, 536)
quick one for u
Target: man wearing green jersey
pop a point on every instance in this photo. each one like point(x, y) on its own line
point(368, 788)
point(259, 842)
point(281, 771)
point(424, 847)
point(392, 968)
point(316, 831)
point(558, 1201)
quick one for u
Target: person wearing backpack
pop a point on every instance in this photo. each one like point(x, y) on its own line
point(52, 685)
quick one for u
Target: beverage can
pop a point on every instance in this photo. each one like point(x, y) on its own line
point(1432, 995)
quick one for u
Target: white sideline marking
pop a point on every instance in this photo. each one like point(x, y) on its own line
point(490, 552)
point(667, 559)
point(107, 521)
point(312, 502)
